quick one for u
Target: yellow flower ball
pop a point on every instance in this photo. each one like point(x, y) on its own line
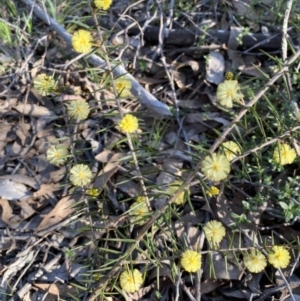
point(57, 154)
point(215, 167)
point(229, 75)
point(191, 261)
point(255, 261)
point(82, 41)
point(227, 92)
point(214, 232)
point(284, 154)
point(129, 124)
point(139, 212)
point(140, 199)
point(123, 86)
point(181, 199)
point(131, 281)
point(103, 4)
point(45, 84)
point(212, 191)
point(80, 175)
point(92, 192)
point(279, 257)
point(78, 109)
point(230, 150)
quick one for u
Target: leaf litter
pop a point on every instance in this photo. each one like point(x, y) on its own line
point(43, 219)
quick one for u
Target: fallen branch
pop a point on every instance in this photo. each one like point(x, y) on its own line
point(146, 98)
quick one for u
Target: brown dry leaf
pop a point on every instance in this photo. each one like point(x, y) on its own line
point(47, 172)
point(179, 79)
point(108, 171)
point(64, 208)
point(46, 191)
point(19, 150)
point(5, 128)
point(193, 64)
point(11, 190)
point(215, 68)
point(43, 143)
point(12, 220)
point(7, 211)
point(137, 296)
point(104, 156)
point(33, 110)
point(57, 175)
point(5, 105)
point(19, 178)
point(22, 131)
point(26, 209)
point(41, 123)
point(56, 290)
point(186, 61)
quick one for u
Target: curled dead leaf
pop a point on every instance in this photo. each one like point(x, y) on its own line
point(33, 110)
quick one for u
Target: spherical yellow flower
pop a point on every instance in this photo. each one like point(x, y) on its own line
point(131, 281)
point(229, 75)
point(230, 150)
point(82, 41)
point(279, 257)
point(227, 92)
point(215, 167)
point(214, 232)
point(255, 262)
point(181, 199)
point(284, 154)
point(103, 4)
point(78, 109)
point(191, 261)
point(57, 154)
point(140, 199)
point(80, 175)
point(45, 84)
point(212, 191)
point(139, 212)
point(129, 124)
point(123, 86)
point(92, 192)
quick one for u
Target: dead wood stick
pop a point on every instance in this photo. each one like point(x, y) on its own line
point(182, 37)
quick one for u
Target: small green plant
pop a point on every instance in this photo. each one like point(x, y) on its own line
point(245, 31)
point(5, 33)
